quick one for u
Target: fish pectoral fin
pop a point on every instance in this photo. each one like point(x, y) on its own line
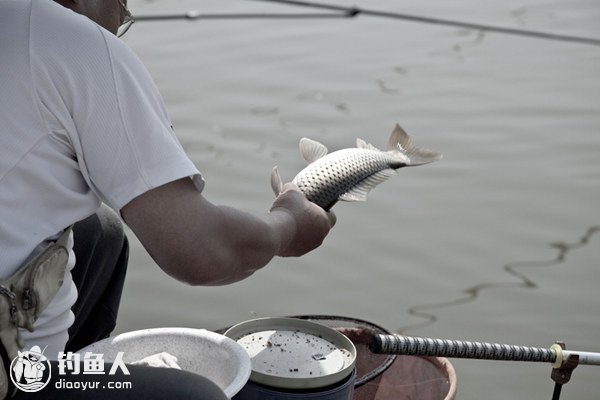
point(311, 150)
point(360, 191)
point(276, 183)
point(351, 196)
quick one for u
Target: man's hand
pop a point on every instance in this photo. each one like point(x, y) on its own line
point(312, 222)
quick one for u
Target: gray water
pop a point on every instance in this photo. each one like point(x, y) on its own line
point(497, 242)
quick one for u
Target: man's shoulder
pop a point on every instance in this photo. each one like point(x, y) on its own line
point(52, 22)
point(62, 40)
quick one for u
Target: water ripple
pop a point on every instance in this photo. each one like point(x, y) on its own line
point(514, 269)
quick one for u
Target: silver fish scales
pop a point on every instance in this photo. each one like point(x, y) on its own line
point(325, 182)
point(349, 174)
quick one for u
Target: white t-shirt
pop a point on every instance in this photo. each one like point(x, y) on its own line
point(81, 122)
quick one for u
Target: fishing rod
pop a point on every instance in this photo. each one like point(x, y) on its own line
point(351, 12)
point(197, 15)
point(563, 361)
point(354, 11)
point(407, 345)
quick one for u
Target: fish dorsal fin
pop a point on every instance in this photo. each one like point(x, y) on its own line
point(362, 189)
point(361, 144)
point(312, 150)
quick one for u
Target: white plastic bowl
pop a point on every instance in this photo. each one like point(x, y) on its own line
point(206, 353)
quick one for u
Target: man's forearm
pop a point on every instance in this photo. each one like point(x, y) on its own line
point(201, 243)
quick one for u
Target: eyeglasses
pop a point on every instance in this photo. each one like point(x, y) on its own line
point(128, 20)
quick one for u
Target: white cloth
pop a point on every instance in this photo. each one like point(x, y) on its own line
point(81, 122)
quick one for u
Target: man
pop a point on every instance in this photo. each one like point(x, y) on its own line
point(81, 124)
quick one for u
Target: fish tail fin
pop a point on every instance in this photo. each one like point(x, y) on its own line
point(276, 182)
point(401, 142)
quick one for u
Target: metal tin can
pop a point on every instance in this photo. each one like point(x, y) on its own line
point(293, 358)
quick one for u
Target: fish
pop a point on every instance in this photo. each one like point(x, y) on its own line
point(350, 174)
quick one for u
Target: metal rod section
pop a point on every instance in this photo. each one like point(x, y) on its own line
point(397, 344)
point(196, 15)
point(585, 357)
point(352, 11)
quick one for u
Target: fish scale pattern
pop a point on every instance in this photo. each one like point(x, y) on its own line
point(325, 180)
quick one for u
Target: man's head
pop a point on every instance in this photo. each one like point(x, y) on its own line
point(110, 14)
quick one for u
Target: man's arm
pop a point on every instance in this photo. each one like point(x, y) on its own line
point(201, 243)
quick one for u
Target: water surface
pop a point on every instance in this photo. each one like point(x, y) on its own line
point(497, 242)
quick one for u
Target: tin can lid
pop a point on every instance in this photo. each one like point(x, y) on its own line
point(291, 353)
